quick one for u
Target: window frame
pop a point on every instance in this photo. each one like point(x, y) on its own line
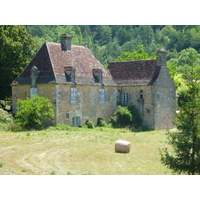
point(101, 95)
point(141, 95)
point(73, 95)
point(76, 121)
point(125, 97)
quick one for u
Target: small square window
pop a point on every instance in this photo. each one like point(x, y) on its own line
point(141, 95)
point(67, 115)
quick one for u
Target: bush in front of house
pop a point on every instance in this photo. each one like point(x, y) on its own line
point(89, 124)
point(126, 117)
point(136, 118)
point(33, 113)
point(101, 122)
point(5, 117)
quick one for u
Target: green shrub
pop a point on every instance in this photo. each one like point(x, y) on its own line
point(122, 117)
point(32, 113)
point(126, 117)
point(101, 122)
point(7, 122)
point(136, 118)
point(89, 124)
point(14, 127)
point(5, 117)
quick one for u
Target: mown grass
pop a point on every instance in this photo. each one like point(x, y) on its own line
point(81, 151)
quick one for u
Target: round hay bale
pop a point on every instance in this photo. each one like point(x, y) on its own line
point(122, 146)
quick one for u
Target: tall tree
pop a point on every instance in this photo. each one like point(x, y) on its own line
point(17, 48)
point(185, 157)
point(140, 54)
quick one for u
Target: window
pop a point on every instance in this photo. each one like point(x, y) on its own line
point(69, 74)
point(141, 95)
point(33, 91)
point(97, 74)
point(125, 98)
point(101, 95)
point(73, 95)
point(75, 121)
point(67, 115)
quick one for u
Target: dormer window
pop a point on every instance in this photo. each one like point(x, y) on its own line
point(97, 74)
point(70, 74)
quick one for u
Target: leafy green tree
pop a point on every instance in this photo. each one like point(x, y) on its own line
point(180, 67)
point(140, 54)
point(34, 112)
point(146, 33)
point(185, 157)
point(17, 48)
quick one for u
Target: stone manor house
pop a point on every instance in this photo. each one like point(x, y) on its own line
point(81, 89)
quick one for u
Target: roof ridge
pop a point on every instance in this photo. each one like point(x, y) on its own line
point(131, 61)
point(74, 45)
point(29, 63)
point(51, 62)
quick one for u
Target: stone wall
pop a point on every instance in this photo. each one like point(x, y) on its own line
point(19, 92)
point(165, 97)
point(23, 92)
point(87, 106)
point(143, 103)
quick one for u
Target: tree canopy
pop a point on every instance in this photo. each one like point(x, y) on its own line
point(106, 42)
point(17, 48)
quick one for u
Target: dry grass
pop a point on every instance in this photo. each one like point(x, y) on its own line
point(82, 151)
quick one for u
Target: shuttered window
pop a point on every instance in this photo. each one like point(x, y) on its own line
point(73, 95)
point(101, 96)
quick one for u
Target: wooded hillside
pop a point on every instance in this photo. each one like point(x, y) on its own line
point(107, 42)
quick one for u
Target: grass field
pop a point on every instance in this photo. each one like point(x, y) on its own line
point(81, 151)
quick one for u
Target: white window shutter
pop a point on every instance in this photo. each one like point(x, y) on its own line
point(101, 95)
point(73, 95)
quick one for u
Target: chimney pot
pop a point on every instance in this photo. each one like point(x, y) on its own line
point(65, 42)
point(161, 57)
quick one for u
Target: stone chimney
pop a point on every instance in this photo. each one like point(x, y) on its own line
point(65, 40)
point(161, 57)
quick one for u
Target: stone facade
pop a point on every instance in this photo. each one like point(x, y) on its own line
point(81, 89)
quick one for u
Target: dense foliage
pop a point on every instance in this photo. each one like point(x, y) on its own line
point(106, 42)
point(17, 48)
point(101, 122)
point(5, 117)
point(126, 117)
point(34, 112)
point(186, 144)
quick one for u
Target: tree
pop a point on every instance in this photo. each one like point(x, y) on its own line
point(186, 143)
point(140, 54)
point(17, 48)
point(32, 113)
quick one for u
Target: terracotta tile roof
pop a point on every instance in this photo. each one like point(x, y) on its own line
point(51, 60)
point(142, 72)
